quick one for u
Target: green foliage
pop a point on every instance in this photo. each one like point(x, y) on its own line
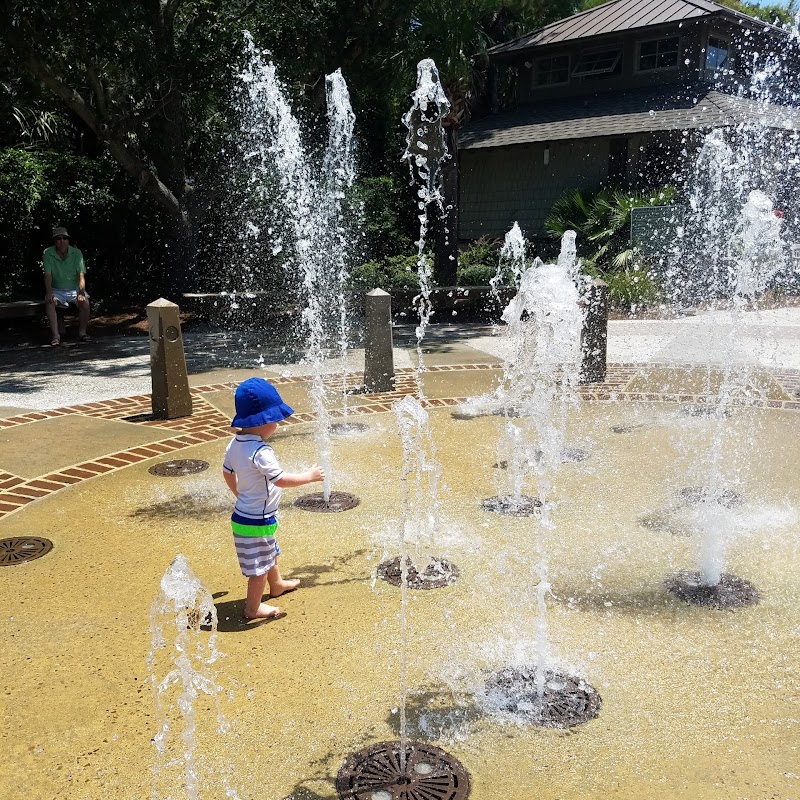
point(602, 222)
point(384, 209)
point(630, 289)
point(396, 272)
point(477, 263)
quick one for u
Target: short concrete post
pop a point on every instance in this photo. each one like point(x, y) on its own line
point(171, 397)
point(594, 337)
point(378, 353)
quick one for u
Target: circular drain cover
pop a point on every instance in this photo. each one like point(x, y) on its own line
point(425, 773)
point(625, 428)
point(522, 506)
point(437, 574)
point(706, 411)
point(730, 592)
point(338, 501)
point(566, 701)
point(574, 455)
point(18, 549)
point(348, 428)
point(179, 468)
point(698, 494)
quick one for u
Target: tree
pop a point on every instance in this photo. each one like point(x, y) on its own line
point(141, 78)
point(151, 80)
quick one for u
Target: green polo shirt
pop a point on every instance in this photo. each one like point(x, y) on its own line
point(64, 271)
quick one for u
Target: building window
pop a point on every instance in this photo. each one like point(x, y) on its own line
point(717, 53)
point(599, 62)
point(659, 53)
point(551, 71)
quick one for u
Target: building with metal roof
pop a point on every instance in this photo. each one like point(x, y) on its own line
point(616, 95)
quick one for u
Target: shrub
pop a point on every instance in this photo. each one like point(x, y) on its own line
point(477, 263)
point(397, 272)
point(384, 210)
point(603, 221)
point(632, 288)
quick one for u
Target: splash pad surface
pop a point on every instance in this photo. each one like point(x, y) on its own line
point(681, 685)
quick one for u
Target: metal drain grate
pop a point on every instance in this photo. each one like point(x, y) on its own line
point(18, 549)
point(179, 468)
point(339, 501)
point(348, 428)
point(522, 506)
point(574, 455)
point(628, 428)
point(731, 592)
point(437, 574)
point(566, 700)
point(710, 410)
point(425, 773)
point(698, 494)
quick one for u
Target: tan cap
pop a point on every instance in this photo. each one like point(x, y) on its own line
point(60, 232)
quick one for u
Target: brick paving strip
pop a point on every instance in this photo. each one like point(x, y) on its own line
point(207, 423)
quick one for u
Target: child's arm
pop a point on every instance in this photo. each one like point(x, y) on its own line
point(289, 479)
point(230, 479)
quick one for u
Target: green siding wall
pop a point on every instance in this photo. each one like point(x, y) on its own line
point(501, 186)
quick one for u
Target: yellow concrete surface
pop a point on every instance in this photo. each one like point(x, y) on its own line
point(60, 442)
point(12, 411)
point(697, 704)
point(669, 380)
point(462, 383)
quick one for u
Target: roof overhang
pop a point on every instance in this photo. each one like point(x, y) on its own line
point(664, 108)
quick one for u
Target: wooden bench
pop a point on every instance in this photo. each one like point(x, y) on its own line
point(22, 309)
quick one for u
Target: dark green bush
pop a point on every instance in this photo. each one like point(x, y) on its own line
point(384, 209)
point(397, 272)
point(475, 274)
point(636, 287)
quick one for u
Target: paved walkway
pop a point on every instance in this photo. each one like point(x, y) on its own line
point(71, 414)
point(42, 378)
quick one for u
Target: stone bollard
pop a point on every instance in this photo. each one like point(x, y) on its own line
point(594, 336)
point(171, 397)
point(378, 353)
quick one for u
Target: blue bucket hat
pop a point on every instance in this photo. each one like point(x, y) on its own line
point(258, 403)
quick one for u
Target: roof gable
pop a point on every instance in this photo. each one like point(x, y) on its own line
point(619, 16)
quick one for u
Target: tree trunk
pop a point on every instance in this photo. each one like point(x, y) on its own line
point(446, 226)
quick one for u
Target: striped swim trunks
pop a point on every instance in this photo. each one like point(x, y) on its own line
point(256, 545)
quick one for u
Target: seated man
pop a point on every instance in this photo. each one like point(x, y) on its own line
point(65, 282)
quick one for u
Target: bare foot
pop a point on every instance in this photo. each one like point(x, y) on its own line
point(263, 612)
point(283, 586)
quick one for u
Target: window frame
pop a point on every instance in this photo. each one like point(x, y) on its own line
point(656, 68)
point(593, 73)
point(535, 71)
point(728, 63)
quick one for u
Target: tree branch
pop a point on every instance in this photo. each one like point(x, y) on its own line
point(122, 154)
point(143, 114)
point(97, 88)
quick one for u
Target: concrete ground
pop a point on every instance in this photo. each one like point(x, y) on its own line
point(696, 704)
point(42, 378)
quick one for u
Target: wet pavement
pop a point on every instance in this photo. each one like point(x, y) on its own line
point(679, 684)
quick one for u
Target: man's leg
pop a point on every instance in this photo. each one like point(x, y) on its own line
point(52, 318)
point(83, 316)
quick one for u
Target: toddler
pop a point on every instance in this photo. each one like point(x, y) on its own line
point(253, 474)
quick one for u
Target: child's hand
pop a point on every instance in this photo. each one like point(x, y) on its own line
point(316, 473)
